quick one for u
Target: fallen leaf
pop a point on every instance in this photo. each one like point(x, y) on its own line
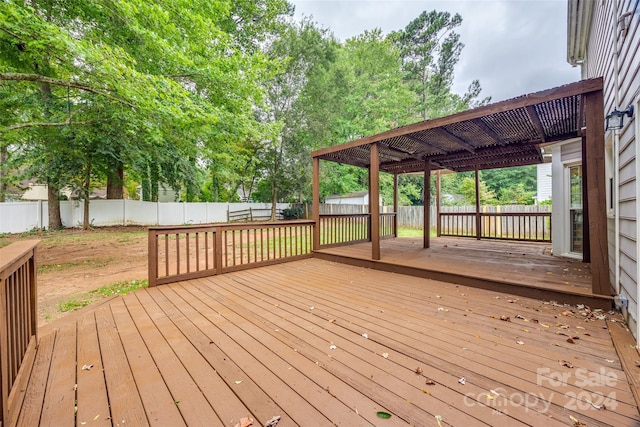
point(332, 320)
point(96, 417)
point(520, 342)
point(87, 367)
point(570, 341)
point(245, 422)
point(384, 415)
point(385, 355)
point(439, 420)
point(365, 335)
point(332, 347)
point(505, 318)
point(273, 421)
point(565, 363)
point(544, 325)
point(462, 380)
point(311, 308)
point(521, 317)
point(239, 381)
point(576, 422)
point(429, 381)
point(418, 370)
point(426, 391)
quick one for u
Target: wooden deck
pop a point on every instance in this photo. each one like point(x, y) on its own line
point(526, 269)
point(319, 343)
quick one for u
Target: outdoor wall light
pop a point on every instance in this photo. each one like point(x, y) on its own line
point(615, 119)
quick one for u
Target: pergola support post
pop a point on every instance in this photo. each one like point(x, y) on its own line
point(315, 207)
point(593, 170)
point(478, 217)
point(438, 190)
point(427, 205)
point(374, 201)
point(395, 205)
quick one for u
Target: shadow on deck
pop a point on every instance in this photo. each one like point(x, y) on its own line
point(524, 269)
point(321, 343)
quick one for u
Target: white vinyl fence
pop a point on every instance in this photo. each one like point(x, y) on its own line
point(18, 217)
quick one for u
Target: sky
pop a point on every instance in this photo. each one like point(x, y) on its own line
point(513, 47)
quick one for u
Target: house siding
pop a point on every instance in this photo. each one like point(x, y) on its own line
point(604, 36)
point(543, 178)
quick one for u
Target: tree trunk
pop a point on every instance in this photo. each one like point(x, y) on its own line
point(86, 188)
point(115, 182)
point(53, 196)
point(4, 154)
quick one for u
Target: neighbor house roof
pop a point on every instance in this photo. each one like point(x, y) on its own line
point(503, 134)
point(349, 195)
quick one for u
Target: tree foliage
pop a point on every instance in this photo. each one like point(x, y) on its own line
point(214, 98)
point(154, 84)
point(430, 49)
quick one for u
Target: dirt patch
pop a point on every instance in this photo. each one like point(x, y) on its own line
point(73, 262)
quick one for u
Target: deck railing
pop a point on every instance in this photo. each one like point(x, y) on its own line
point(347, 229)
point(18, 325)
point(342, 229)
point(521, 226)
point(189, 252)
point(388, 225)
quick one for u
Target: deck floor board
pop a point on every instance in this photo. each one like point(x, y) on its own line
point(514, 377)
point(358, 364)
point(92, 402)
point(520, 263)
point(259, 343)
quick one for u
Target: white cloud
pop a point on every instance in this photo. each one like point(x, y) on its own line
point(513, 47)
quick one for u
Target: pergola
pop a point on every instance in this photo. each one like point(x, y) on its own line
point(503, 134)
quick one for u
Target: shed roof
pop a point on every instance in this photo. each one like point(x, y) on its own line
point(504, 134)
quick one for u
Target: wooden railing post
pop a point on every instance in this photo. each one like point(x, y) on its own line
point(4, 356)
point(218, 251)
point(18, 325)
point(152, 247)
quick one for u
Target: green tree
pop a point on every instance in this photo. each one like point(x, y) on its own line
point(171, 80)
point(468, 191)
point(362, 92)
point(430, 49)
point(284, 159)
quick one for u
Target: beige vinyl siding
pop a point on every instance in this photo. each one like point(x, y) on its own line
point(600, 61)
